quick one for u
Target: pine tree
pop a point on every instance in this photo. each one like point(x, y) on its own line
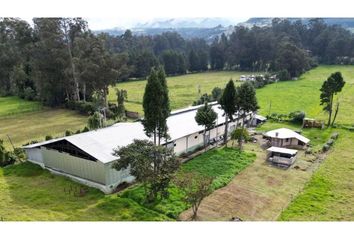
point(331, 87)
point(156, 106)
point(247, 103)
point(165, 106)
point(151, 105)
point(227, 102)
point(206, 117)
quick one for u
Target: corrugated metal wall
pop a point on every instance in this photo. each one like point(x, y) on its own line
point(93, 171)
point(34, 154)
point(114, 177)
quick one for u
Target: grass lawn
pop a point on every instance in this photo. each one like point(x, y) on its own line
point(183, 90)
point(304, 95)
point(16, 105)
point(25, 127)
point(29, 193)
point(329, 195)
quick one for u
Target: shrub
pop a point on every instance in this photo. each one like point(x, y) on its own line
point(297, 117)
point(86, 129)
point(94, 121)
point(68, 133)
point(29, 94)
point(6, 158)
point(78, 131)
point(81, 106)
point(325, 147)
point(48, 137)
point(283, 75)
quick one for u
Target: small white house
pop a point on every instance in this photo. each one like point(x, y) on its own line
point(281, 156)
point(88, 157)
point(284, 137)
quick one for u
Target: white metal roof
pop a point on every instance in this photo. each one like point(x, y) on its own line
point(283, 133)
point(260, 117)
point(100, 143)
point(282, 150)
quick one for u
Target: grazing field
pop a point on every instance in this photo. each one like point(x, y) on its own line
point(183, 90)
point(304, 95)
point(282, 97)
point(29, 193)
point(25, 127)
point(329, 195)
point(16, 105)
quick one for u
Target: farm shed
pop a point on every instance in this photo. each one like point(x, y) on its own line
point(284, 137)
point(281, 156)
point(87, 157)
point(257, 120)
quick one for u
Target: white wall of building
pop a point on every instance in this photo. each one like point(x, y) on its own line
point(64, 162)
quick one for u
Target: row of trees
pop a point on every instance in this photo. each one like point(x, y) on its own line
point(60, 59)
point(169, 49)
point(56, 60)
point(285, 45)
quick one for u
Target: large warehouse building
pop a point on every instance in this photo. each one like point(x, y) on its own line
point(88, 157)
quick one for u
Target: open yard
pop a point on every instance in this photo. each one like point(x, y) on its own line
point(304, 95)
point(329, 195)
point(26, 127)
point(183, 90)
point(29, 193)
point(16, 105)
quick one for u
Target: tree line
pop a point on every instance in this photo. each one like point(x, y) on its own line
point(289, 48)
point(59, 59)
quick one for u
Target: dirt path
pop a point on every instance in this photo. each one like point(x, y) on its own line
point(260, 192)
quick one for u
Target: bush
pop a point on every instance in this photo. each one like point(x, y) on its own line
point(6, 158)
point(48, 137)
point(283, 75)
point(68, 133)
point(86, 129)
point(78, 131)
point(297, 117)
point(81, 106)
point(29, 94)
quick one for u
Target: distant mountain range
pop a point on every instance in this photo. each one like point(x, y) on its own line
point(344, 22)
point(208, 28)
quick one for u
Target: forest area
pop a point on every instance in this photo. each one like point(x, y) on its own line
point(61, 62)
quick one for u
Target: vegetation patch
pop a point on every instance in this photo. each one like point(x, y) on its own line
point(329, 194)
point(15, 105)
point(221, 164)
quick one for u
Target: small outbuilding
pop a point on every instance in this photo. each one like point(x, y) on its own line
point(257, 120)
point(284, 137)
point(281, 156)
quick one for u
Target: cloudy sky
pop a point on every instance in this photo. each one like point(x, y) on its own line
point(125, 13)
